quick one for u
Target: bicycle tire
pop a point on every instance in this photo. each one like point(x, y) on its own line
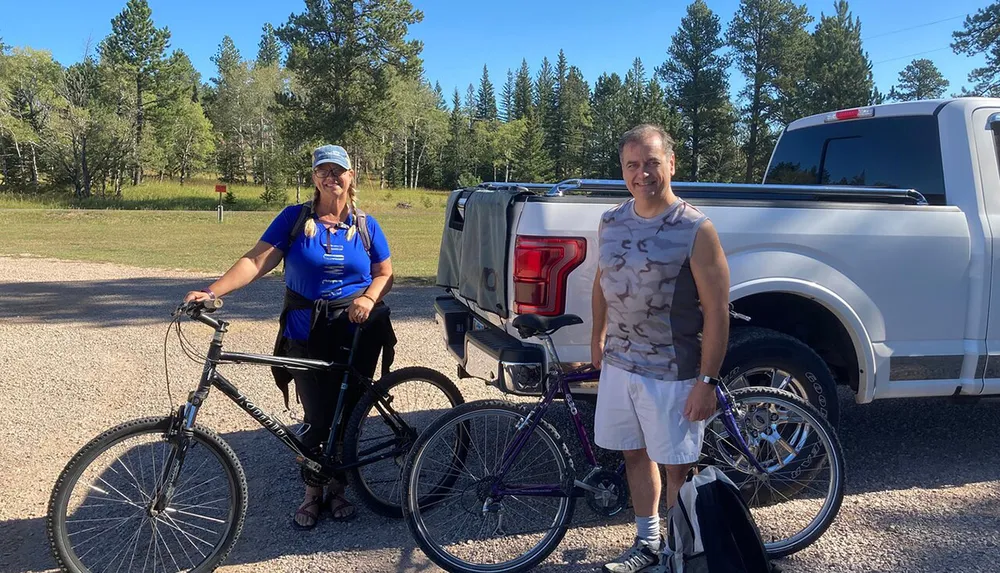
point(412, 508)
point(365, 485)
point(834, 457)
point(56, 520)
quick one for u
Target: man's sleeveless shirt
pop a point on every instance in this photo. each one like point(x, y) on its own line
point(654, 316)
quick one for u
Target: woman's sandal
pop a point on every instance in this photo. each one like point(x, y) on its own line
point(337, 503)
point(317, 502)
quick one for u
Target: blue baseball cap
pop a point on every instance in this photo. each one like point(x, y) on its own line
point(331, 154)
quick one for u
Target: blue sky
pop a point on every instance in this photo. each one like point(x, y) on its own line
point(460, 36)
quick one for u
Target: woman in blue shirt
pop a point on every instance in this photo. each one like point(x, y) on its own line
point(328, 267)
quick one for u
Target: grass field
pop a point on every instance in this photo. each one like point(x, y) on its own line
point(168, 226)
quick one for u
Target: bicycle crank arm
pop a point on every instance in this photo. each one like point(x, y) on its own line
point(579, 487)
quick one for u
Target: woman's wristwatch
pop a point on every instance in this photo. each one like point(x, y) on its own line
point(709, 380)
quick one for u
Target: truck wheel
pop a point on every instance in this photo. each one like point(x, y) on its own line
point(765, 357)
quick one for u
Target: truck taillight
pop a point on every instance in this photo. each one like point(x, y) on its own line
point(541, 265)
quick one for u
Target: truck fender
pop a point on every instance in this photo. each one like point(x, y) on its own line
point(743, 285)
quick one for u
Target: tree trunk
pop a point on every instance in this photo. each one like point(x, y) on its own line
point(695, 144)
point(752, 142)
point(3, 163)
point(139, 118)
point(420, 158)
point(85, 169)
point(20, 159)
point(406, 160)
point(298, 187)
point(34, 166)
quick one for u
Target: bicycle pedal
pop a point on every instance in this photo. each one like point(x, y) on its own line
point(308, 464)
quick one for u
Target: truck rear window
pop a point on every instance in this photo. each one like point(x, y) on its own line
point(893, 152)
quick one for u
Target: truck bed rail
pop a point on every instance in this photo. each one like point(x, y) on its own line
point(616, 187)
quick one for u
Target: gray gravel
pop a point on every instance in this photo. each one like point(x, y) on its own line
point(83, 350)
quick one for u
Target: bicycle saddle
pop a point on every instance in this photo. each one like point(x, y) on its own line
point(529, 325)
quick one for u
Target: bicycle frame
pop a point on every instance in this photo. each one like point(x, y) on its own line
point(210, 377)
point(559, 381)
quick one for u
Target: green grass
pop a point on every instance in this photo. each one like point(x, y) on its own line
point(184, 232)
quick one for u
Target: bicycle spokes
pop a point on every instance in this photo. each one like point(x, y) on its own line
point(122, 517)
point(802, 480)
point(483, 517)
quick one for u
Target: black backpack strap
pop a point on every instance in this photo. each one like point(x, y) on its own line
point(304, 215)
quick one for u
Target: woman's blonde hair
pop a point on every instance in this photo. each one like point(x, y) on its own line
point(352, 194)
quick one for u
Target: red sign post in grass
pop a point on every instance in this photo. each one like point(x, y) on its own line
point(221, 190)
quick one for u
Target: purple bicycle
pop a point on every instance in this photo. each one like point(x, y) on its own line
point(513, 484)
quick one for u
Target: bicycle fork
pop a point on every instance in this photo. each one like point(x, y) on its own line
point(180, 432)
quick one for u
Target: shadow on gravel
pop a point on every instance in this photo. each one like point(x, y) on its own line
point(275, 491)
point(24, 546)
point(918, 442)
point(151, 300)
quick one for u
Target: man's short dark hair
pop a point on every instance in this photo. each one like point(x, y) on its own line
point(641, 132)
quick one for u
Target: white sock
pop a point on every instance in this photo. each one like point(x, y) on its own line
point(649, 530)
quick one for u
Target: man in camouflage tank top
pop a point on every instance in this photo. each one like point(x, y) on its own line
point(661, 324)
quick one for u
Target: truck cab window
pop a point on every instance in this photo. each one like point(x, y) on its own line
point(893, 152)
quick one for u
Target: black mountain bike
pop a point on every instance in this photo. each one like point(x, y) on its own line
point(167, 494)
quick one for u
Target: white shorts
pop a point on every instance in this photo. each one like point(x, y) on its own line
point(636, 412)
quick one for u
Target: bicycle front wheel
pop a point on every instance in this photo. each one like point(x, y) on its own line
point(103, 516)
point(417, 396)
point(799, 494)
point(481, 521)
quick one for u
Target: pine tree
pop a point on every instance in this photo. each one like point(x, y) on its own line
point(471, 104)
point(980, 34)
point(345, 55)
point(697, 84)
point(228, 111)
point(635, 93)
point(136, 47)
point(920, 79)
point(608, 109)
point(455, 157)
point(523, 99)
point(269, 51)
point(532, 161)
point(769, 41)
point(439, 93)
point(575, 115)
point(507, 98)
point(486, 101)
point(838, 72)
point(545, 95)
point(558, 120)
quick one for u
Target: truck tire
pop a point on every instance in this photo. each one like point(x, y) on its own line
point(765, 357)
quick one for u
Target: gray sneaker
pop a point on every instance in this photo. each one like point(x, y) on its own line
point(662, 566)
point(637, 558)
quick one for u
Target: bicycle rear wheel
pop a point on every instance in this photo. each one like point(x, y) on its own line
point(463, 527)
point(101, 518)
point(417, 395)
point(800, 494)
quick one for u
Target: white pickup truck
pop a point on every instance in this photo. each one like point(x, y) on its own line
point(866, 258)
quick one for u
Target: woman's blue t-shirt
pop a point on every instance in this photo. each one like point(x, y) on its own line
point(326, 265)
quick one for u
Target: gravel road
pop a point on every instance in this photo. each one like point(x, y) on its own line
point(83, 349)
